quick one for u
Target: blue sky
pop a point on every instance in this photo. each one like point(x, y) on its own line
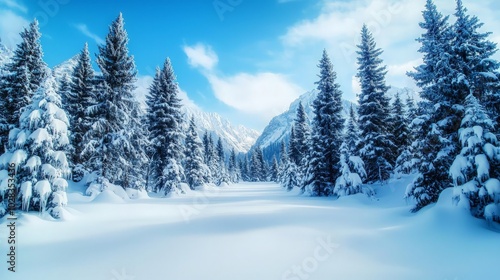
point(246, 60)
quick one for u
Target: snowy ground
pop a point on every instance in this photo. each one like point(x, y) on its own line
point(255, 231)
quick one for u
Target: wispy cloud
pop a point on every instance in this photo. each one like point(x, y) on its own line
point(201, 55)
point(11, 24)
point(85, 30)
point(262, 95)
point(13, 4)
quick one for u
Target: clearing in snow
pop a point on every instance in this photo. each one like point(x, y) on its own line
point(254, 231)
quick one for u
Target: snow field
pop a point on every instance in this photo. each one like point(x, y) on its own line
point(255, 231)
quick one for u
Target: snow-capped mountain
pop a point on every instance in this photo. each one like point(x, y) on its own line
point(279, 128)
point(65, 68)
point(233, 136)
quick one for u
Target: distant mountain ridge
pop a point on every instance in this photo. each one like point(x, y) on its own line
point(280, 126)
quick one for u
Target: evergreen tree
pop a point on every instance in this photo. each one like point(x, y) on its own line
point(79, 99)
point(283, 163)
point(22, 78)
point(166, 133)
point(353, 173)
point(399, 126)
point(109, 143)
point(328, 125)
point(408, 159)
point(475, 171)
point(196, 170)
point(457, 62)
point(234, 171)
point(274, 170)
point(37, 149)
point(221, 175)
point(374, 115)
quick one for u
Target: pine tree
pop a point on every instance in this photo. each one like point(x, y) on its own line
point(233, 169)
point(475, 171)
point(456, 63)
point(407, 160)
point(165, 129)
point(352, 169)
point(79, 99)
point(221, 176)
point(196, 170)
point(110, 144)
point(328, 126)
point(274, 170)
point(22, 78)
point(283, 163)
point(399, 126)
point(37, 148)
point(374, 115)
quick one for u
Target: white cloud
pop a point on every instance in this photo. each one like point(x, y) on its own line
point(395, 27)
point(11, 25)
point(85, 30)
point(201, 55)
point(13, 4)
point(263, 94)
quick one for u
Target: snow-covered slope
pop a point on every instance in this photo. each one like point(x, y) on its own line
point(65, 68)
point(279, 128)
point(255, 231)
point(234, 136)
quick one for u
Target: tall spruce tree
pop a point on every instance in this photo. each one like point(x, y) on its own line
point(38, 150)
point(327, 130)
point(166, 133)
point(221, 176)
point(457, 62)
point(399, 126)
point(196, 170)
point(475, 171)
point(233, 168)
point(22, 78)
point(110, 142)
point(79, 99)
point(374, 115)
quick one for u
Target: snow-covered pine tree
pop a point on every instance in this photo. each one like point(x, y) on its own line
point(78, 100)
point(22, 78)
point(374, 115)
point(222, 176)
point(351, 165)
point(283, 163)
point(258, 172)
point(64, 90)
point(38, 150)
point(407, 160)
point(244, 169)
point(273, 172)
point(327, 129)
point(290, 180)
point(166, 133)
point(233, 168)
point(457, 62)
point(475, 170)
point(196, 170)
point(110, 145)
point(399, 126)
